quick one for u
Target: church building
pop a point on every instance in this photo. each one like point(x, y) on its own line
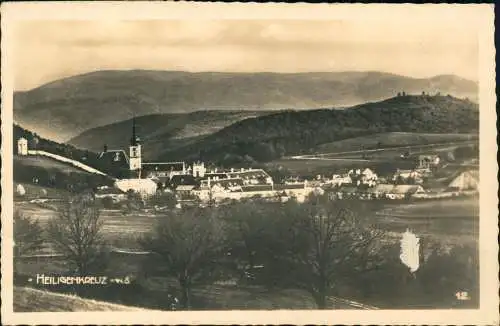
point(159, 171)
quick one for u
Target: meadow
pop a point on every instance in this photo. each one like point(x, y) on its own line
point(44, 162)
point(444, 222)
point(450, 220)
point(393, 139)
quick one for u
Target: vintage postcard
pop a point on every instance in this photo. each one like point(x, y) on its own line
point(230, 163)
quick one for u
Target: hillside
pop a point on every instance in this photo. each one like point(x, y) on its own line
point(67, 107)
point(161, 130)
point(392, 139)
point(46, 163)
point(291, 132)
point(54, 172)
point(32, 300)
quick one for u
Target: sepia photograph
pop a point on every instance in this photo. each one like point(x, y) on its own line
point(221, 163)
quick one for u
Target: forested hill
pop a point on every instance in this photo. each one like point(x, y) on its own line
point(65, 108)
point(291, 132)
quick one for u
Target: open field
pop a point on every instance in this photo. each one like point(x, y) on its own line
point(44, 162)
point(28, 299)
point(445, 222)
point(117, 226)
point(392, 139)
point(380, 160)
point(452, 220)
point(313, 166)
point(392, 152)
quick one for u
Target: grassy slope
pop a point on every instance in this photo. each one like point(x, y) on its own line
point(32, 300)
point(390, 139)
point(78, 103)
point(47, 163)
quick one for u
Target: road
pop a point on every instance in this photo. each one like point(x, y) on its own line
point(318, 156)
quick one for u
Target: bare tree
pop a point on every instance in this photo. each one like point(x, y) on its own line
point(324, 244)
point(191, 244)
point(76, 232)
point(250, 225)
point(28, 235)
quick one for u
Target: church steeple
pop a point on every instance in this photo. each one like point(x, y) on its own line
point(135, 160)
point(134, 140)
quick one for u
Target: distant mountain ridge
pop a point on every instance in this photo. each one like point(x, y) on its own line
point(65, 108)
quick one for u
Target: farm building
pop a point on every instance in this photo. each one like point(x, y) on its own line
point(467, 180)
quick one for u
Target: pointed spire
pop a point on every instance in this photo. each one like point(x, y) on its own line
point(134, 140)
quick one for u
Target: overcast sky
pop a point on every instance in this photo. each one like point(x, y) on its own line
point(49, 50)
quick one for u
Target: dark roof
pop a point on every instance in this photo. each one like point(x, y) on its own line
point(183, 179)
point(109, 191)
point(165, 167)
point(257, 188)
point(288, 186)
point(115, 158)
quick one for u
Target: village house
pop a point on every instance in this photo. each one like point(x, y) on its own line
point(380, 191)
point(339, 180)
point(363, 177)
point(427, 161)
point(234, 187)
point(404, 176)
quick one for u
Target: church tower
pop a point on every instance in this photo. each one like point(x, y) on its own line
point(135, 150)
